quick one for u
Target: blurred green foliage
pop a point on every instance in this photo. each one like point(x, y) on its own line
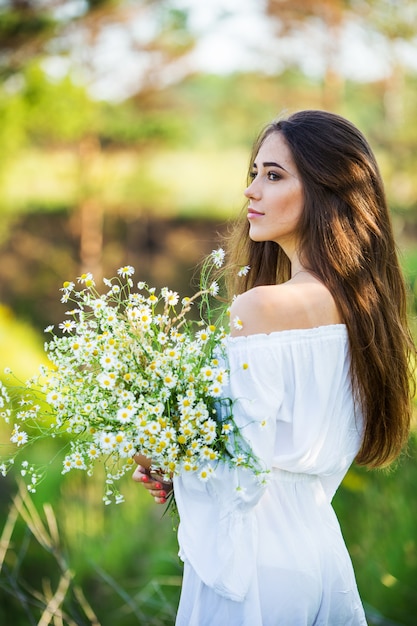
point(377, 512)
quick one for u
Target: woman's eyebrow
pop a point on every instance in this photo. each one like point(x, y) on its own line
point(271, 164)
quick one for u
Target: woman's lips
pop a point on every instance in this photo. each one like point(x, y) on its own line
point(252, 213)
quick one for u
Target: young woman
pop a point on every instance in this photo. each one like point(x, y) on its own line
point(321, 373)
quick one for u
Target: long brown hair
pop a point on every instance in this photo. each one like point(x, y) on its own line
point(346, 239)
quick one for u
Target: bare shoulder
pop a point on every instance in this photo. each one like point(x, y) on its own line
point(302, 303)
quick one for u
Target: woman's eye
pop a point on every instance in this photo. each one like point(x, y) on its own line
point(273, 176)
point(252, 175)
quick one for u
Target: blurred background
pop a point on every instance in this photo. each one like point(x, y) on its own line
point(125, 130)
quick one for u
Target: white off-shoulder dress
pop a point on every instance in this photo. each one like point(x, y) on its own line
point(273, 554)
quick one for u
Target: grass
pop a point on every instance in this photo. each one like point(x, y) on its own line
point(51, 593)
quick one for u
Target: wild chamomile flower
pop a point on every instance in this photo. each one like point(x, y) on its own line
point(237, 323)
point(162, 338)
point(19, 437)
point(67, 326)
point(108, 361)
point(125, 414)
point(153, 299)
point(244, 270)
point(205, 473)
point(126, 271)
point(216, 390)
point(171, 297)
point(54, 398)
point(106, 380)
point(169, 380)
point(67, 286)
point(203, 335)
point(208, 373)
point(218, 257)
point(98, 305)
point(86, 279)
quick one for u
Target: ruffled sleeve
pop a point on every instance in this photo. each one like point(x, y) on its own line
point(217, 532)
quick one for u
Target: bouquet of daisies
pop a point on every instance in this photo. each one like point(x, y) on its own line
point(130, 372)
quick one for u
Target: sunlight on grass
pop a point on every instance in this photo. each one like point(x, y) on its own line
point(165, 183)
point(22, 346)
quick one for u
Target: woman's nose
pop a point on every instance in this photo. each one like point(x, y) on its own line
point(252, 190)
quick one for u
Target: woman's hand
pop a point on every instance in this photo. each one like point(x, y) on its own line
point(158, 488)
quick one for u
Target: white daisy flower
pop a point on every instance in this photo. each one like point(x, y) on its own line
point(78, 462)
point(98, 305)
point(237, 323)
point(86, 279)
point(125, 414)
point(154, 428)
point(126, 271)
point(221, 376)
point(107, 441)
point(205, 473)
point(171, 297)
point(106, 380)
point(243, 270)
point(188, 466)
point(67, 286)
point(239, 460)
point(215, 390)
point(162, 338)
point(19, 437)
point(218, 257)
point(207, 373)
point(168, 434)
point(67, 464)
point(107, 361)
point(152, 300)
point(203, 336)
point(67, 326)
point(54, 398)
point(209, 426)
point(169, 380)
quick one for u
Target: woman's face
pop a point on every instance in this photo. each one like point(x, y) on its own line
point(275, 195)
